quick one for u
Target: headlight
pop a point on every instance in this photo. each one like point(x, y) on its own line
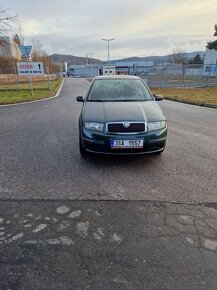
point(153, 126)
point(94, 126)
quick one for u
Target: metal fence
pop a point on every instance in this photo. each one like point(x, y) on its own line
point(181, 75)
point(16, 82)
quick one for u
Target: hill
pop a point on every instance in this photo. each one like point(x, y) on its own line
point(159, 59)
point(71, 59)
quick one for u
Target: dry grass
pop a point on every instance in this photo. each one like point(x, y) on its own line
point(198, 96)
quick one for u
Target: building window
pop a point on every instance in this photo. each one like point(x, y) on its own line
point(207, 69)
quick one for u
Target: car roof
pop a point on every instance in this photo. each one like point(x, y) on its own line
point(108, 77)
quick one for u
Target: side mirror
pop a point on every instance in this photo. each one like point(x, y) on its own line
point(80, 99)
point(158, 97)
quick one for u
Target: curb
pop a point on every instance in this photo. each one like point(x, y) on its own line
point(45, 99)
point(191, 103)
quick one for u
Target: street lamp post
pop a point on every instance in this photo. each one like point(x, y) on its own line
point(108, 40)
point(91, 61)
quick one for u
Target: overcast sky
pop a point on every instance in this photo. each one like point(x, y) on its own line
point(140, 27)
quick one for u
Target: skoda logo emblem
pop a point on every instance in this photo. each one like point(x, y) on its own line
point(126, 124)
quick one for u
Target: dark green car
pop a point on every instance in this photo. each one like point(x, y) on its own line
point(121, 116)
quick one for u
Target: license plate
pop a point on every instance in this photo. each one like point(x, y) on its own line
point(120, 144)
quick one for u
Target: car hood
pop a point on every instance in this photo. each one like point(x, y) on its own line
point(148, 111)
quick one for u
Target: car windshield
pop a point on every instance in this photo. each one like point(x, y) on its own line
point(118, 90)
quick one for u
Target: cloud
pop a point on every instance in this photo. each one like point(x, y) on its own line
point(139, 27)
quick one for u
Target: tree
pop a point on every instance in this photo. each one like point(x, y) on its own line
point(213, 44)
point(6, 21)
point(38, 54)
point(178, 56)
point(196, 60)
point(19, 36)
point(37, 51)
point(215, 33)
point(7, 65)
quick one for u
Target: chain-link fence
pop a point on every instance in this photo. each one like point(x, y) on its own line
point(178, 75)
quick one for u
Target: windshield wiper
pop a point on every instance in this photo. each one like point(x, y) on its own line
point(95, 100)
point(117, 100)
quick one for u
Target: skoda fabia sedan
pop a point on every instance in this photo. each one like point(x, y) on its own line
point(121, 116)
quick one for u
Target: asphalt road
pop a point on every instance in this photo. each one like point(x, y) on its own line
point(72, 223)
point(53, 245)
point(39, 156)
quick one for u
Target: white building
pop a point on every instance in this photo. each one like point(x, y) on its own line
point(109, 70)
point(210, 63)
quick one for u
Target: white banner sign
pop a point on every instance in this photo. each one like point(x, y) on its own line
point(32, 68)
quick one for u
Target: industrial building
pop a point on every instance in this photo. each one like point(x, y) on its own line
point(133, 67)
point(210, 63)
point(83, 71)
point(125, 68)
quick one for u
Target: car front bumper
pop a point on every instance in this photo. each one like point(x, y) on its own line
point(98, 142)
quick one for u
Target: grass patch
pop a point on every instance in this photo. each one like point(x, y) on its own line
point(13, 96)
point(197, 96)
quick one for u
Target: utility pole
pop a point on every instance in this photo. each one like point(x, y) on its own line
point(91, 61)
point(108, 41)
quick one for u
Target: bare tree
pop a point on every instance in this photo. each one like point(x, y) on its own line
point(19, 36)
point(178, 56)
point(37, 52)
point(6, 21)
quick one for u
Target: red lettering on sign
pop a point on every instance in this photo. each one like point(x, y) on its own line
point(25, 66)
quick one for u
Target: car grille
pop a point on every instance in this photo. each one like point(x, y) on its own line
point(120, 128)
